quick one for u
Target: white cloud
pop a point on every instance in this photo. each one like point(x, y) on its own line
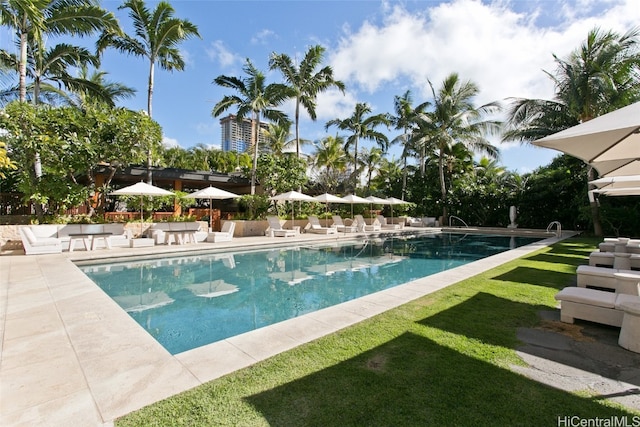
point(170, 142)
point(218, 52)
point(499, 49)
point(262, 37)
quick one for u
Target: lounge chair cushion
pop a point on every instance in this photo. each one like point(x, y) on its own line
point(588, 296)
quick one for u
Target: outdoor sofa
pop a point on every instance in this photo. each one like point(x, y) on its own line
point(55, 238)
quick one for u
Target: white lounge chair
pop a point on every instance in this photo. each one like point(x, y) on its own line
point(386, 225)
point(593, 305)
point(224, 235)
point(316, 227)
point(363, 226)
point(276, 230)
point(618, 280)
point(341, 226)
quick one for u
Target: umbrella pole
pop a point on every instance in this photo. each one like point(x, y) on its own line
point(141, 215)
point(210, 216)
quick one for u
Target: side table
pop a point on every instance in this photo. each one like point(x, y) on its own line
point(141, 243)
point(630, 331)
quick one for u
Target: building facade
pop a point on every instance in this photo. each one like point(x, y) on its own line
point(236, 136)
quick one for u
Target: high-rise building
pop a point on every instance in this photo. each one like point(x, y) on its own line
point(236, 136)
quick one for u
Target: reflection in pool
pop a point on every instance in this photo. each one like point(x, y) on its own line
point(189, 301)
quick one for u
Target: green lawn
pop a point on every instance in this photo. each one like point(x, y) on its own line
point(440, 360)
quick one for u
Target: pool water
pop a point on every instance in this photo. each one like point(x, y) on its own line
point(189, 301)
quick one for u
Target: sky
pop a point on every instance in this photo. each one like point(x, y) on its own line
point(378, 49)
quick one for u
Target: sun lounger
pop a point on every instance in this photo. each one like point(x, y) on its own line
point(593, 305)
point(363, 226)
point(341, 226)
point(224, 235)
point(316, 227)
point(386, 225)
point(618, 280)
point(275, 228)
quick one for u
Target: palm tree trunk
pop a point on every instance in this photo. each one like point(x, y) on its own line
point(356, 176)
point(443, 188)
point(22, 67)
point(297, 127)
point(255, 128)
point(149, 102)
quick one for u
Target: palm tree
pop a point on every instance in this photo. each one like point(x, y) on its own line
point(109, 92)
point(598, 77)
point(277, 137)
point(32, 19)
point(330, 160)
point(157, 37)
point(405, 120)
point(304, 82)
point(362, 126)
point(455, 121)
point(371, 160)
point(253, 98)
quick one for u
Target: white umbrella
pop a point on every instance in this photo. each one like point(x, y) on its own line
point(610, 143)
point(211, 193)
point(329, 198)
point(292, 196)
point(142, 189)
point(393, 201)
point(352, 198)
point(376, 200)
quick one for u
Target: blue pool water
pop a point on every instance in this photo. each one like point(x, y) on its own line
point(190, 301)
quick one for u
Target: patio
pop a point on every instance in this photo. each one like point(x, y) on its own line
point(72, 356)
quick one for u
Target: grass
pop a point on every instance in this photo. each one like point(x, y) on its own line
point(440, 360)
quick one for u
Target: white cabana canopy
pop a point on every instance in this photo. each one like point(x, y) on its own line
point(610, 143)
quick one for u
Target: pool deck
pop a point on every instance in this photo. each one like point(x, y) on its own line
point(70, 356)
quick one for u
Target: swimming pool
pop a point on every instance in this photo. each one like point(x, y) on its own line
point(186, 302)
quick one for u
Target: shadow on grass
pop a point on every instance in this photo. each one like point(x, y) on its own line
point(586, 346)
point(412, 380)
point(557, 258)
point(538, 277)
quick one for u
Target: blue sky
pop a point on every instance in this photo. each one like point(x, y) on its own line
point(379, 49)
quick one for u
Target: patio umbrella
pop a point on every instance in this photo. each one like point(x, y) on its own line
point(610, 143)
point(329, 198)
point(211, 193)
point(352, 198)
point(292, 196)
point(393, 201)
point(376, 200)
point(142, 189)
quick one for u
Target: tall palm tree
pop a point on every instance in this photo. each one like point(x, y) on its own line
point(158, 35)
point(362, 126)
point(255, 99)
point(305, 82)
point(404, 120)
point(32, 19)
point(455, 121)
point(598, 77)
